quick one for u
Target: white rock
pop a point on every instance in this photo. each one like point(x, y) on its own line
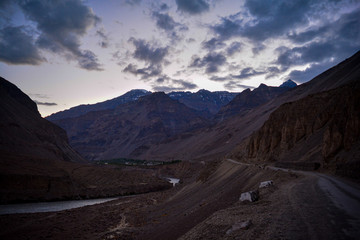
point(266, 184)
point(250, 196)
point(240, 225)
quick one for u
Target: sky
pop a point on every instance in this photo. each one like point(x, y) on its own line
point(63, 53)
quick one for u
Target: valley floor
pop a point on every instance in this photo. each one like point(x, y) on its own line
point(298, 206)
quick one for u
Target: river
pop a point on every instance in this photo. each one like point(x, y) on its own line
point(49, 206)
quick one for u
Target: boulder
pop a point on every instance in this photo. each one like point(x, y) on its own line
point(250, 196)
point(266, 184)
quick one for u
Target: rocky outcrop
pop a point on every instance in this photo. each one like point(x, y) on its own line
point(266, 184)
point(250, 196)
point(319, 128)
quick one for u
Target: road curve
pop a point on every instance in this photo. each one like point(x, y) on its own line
point(340, 200)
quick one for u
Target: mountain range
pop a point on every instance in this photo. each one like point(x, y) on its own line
point(132, 127)
point(311, 126)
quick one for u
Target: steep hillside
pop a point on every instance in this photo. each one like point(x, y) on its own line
point(25, 133)
point(218, 140)
point(247, 100)
point(131, 128)
point(132, 95)
point(319, 130)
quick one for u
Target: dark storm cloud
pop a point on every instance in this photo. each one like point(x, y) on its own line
point(165, 22)
point(164, 7)
point(4, 3)
point(17, 47)
point(274, 18)
point(45, 103)
point(272, 72)
point(213, 44)
point(192, 6)
point(61, 24)
point(234, 48)
point(247, 73)
point(145, 73)
point(314, 52)
point(104, 43)
point(172, 85)
point(227, 28)
point(211, 62)
point(147, 53)
point(319, 42)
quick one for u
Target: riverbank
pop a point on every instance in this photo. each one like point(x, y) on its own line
point(295, 207)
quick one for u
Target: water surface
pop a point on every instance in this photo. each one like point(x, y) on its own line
point(49, 206)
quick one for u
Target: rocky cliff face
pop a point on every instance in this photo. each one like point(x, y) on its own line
point(130, 128)
point(322, 128)
point(247, 100)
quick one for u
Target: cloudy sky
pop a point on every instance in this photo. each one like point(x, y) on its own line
point(67, 52)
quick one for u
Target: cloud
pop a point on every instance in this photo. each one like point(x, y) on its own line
point(310, 53)
point(147, 53)
point(227, 28)
point(234, 48)
point(247, 73)
point(172, 85)
point(45, 103)
point(275, 18)
point(232, 85)
point(131, 2)
point(61, 24)
point(89, 61)
point(192, 7)
point(104, 43)
point(219, 79)
point(211, 62)
point(310, 72)
point(272, 72)
point(164, 7)
point(165, 22)
point(213, 44)
point(145, 73)
point(17, 47)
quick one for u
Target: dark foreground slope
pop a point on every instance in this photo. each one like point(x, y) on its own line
point(24, 133)
point(297, 206)
point(37, 162)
